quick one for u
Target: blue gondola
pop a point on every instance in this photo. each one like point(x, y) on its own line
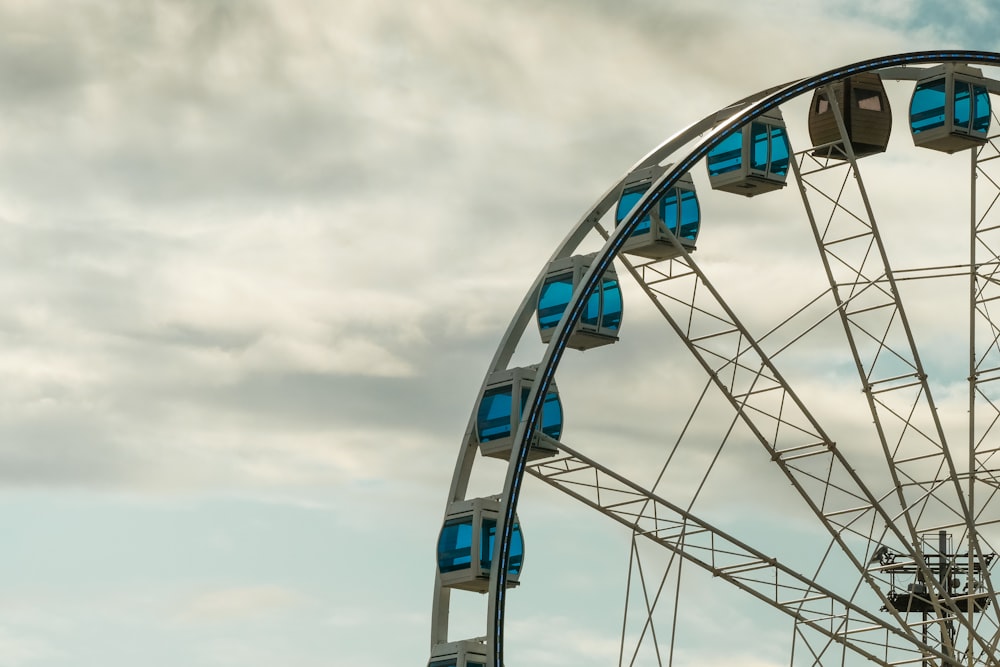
point(466, 653)
point(753, 159)
point(496, 419)
point(677, 211)
point(603, 314)
point(950, 108)
point(465, 545)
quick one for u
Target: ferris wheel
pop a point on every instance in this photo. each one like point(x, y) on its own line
point(826, 305)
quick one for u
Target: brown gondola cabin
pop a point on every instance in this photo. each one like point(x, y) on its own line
point(866, 115)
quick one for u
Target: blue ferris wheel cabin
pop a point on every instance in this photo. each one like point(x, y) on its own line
point(603, 315)
point(676, 216)
point(497, 420)
point(467, 545)
point(468, 653)
point(753, 159)
point(950, 109)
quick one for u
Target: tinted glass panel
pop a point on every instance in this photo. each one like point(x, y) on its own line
point(516, 551)
point(963, 104)
point(494, 415)
point(927, 106)
point(611, 318)
point(592, 312)
point(474, 664)
point(630, 197)
point(690, 215)
point(555, 296)
point(727, 156)
point(869, 100)
point(455, 545)
point(450, 662)
point(670, 211)
point(552, 417)
point(981, 120)
point(779, 151)
point(758, 146)
point(486, 539)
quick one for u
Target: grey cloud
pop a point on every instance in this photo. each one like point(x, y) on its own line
point(171, 101)
point(66, 447)
point(38, 70)
point(963, 24)
point(237, 188)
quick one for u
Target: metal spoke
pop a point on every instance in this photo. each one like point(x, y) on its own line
point(811, 605)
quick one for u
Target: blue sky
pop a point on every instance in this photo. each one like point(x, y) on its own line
point(256, 258)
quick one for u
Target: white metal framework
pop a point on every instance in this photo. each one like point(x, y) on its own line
point(904, 571)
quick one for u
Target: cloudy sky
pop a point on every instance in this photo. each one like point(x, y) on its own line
point(256, 257)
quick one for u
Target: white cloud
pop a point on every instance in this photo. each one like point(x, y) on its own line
point(559, 641)
point(240, 604)
point(21, 650)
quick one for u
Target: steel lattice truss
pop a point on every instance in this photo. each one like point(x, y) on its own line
point(649, 516)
